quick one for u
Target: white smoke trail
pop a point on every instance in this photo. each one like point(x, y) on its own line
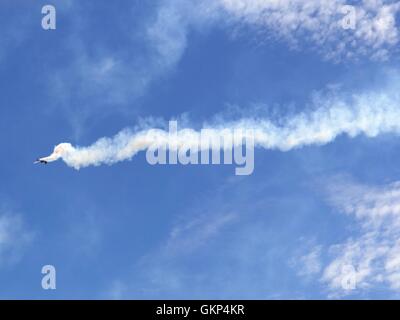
point(369, 114)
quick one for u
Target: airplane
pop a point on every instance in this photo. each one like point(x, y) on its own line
point(46, 160)
point(39, 160)
point(58, 150)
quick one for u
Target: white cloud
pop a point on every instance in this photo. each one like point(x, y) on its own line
point(374, 248)
point(310, 263)
point(319, 22)
point(300, 22)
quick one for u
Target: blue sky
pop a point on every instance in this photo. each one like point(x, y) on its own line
point(132, 230)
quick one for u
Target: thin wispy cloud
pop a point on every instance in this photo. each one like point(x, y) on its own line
point(373, 249)
point(310, 263)
point(375, 253)
point(320, 23)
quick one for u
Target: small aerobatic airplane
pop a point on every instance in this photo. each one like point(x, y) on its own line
point(46, 160)
point(42, 160)
point(53, 157)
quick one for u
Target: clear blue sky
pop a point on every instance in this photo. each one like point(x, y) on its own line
point(132, 230)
